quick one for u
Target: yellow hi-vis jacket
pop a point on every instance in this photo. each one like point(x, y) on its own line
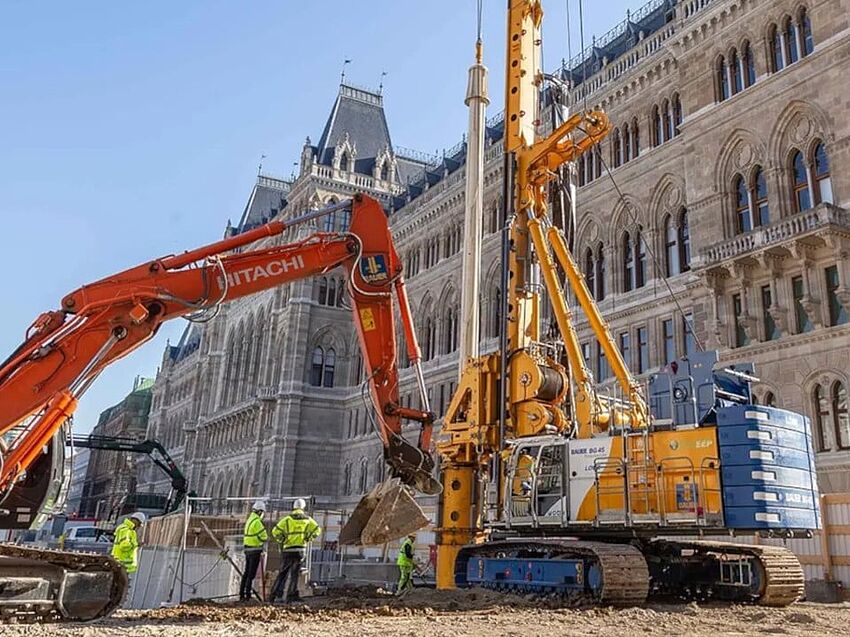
point(295, 530)
point(125, 548)
point(405, 554)
point(255, 532)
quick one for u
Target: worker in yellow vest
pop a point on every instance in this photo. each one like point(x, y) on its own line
point(254, 539)
point(125, 547)
point(406, 563)
point(292, 534)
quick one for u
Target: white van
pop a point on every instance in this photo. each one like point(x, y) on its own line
point(83, 534)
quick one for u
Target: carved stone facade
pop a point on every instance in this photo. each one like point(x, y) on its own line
point(732, 151)
point(110, 476)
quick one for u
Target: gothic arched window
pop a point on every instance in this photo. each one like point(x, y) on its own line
point(628, 263)
point(821, 175)
point(617, 148)
point(722, 79)
point(344, 220)
point(450, 325)
point(627, 144)
point(749, 65)
point(805, 26)
point(495, 322)
point(641, 262)
point(590, 271)
point(671, 247)
point(658, 127)
point(840, 418)
point(742, 205)
point(777, 56)
point(789, 32)
point(600, 272)
point(346, 479)
point(329, 368)
point(677, 114)
point(736, 72)
point(759, 197)
point(822, 414)
point(323, 291)
point(316, 367)
point(635, 138)
point(800, 182)
point(684, 242)
point(428, 337)
point(364, 475)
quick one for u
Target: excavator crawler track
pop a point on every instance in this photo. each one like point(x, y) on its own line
point(624, 576)
point(777, 577)
point(46, 585)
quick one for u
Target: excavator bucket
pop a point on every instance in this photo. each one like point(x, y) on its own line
point(388, 512)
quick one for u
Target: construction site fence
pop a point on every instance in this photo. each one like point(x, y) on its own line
point(163, 578)
point(194, 554)
point(169, 575)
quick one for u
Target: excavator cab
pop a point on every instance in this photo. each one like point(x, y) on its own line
point(41, 491)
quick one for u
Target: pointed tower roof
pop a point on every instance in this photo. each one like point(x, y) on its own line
point(359, 113)
point(268, 198)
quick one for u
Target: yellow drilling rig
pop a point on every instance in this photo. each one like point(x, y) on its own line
point(552, 486)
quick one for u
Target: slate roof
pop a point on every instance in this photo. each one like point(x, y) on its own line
point(189, 343)
point(648, 19)
point(623, 37)
point(360, 113)
point(408, 168)
point(268, 198)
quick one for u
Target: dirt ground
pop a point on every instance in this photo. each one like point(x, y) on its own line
point(425, 612)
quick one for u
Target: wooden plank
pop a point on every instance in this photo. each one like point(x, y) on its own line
point(168, 530)
point(826, 557)
point(815, 560)
point(836, 498)
point(838, 529)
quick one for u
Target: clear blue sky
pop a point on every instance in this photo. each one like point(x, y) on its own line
point(130, 130)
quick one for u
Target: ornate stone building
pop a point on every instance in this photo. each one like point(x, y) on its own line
point(731, 150)
point(110, 476)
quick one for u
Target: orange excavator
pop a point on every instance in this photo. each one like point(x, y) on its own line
point(65, 350)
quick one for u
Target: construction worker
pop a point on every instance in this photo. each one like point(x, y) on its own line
point(253, 540)
point(406, 564)
point(292, 534)
point(125, 548)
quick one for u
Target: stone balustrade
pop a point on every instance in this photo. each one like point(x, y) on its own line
point(789, 228)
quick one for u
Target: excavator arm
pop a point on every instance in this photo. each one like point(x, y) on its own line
point(151, 448)
point(65, 350)
point(99, 323)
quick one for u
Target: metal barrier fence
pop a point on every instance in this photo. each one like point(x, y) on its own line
point(187, 557)
point(172, 574)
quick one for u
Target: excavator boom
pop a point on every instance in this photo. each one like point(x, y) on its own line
point(152, 448)
point(65, 350)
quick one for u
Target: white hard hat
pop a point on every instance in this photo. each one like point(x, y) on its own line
point(139, 516)
point(299, 504)
point(259, 505)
